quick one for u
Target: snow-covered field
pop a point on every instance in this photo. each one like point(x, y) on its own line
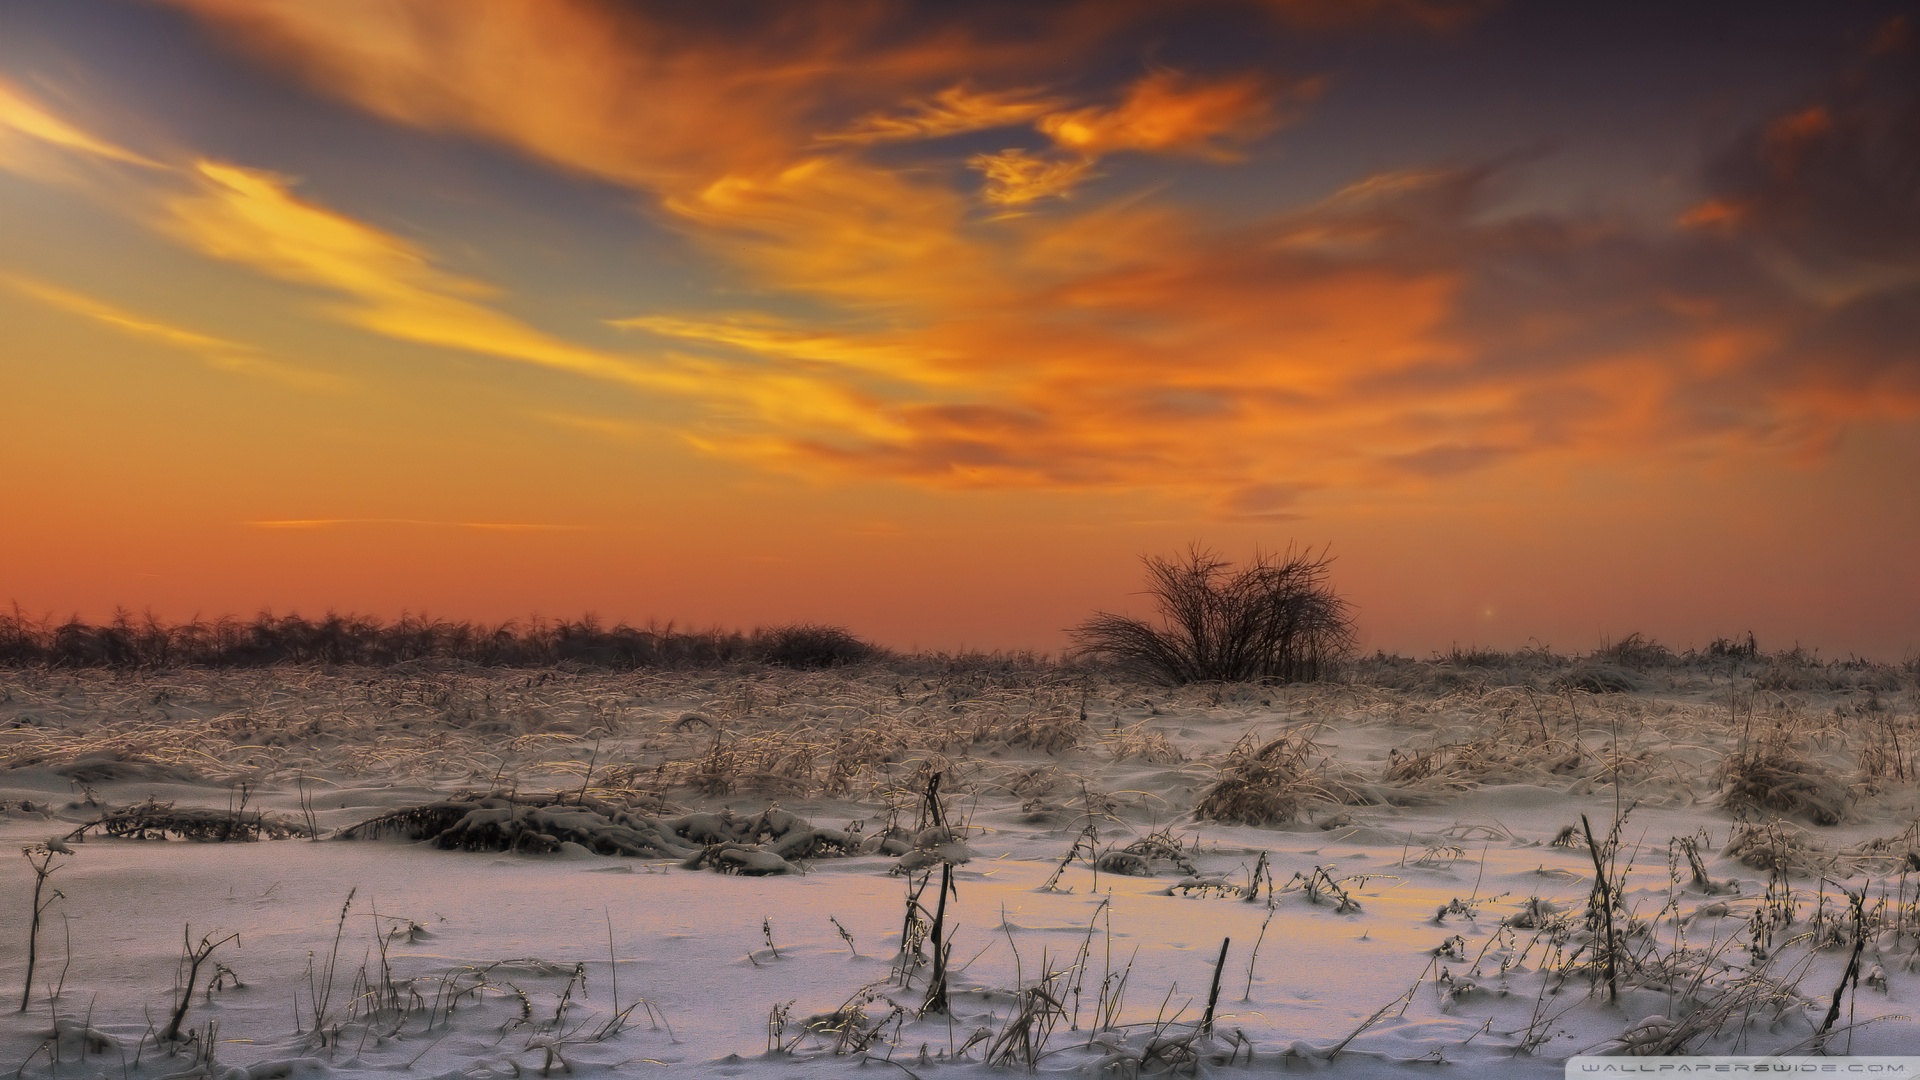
point(1426, 902)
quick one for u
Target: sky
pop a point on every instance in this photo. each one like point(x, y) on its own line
point(1551, 323)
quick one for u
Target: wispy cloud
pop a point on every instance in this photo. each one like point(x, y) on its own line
point(967, 324)
point(953, 111)
point(230, 356)
point(393, 288)
point(846, 230)
point(1015, 177)
point(24, 118)
point(1166, 112)
point(484, 526)
point(778, 339)
point(253, 218)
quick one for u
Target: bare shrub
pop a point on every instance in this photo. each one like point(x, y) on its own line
point(1274, 618)
point(124, 642)
point(810, 646)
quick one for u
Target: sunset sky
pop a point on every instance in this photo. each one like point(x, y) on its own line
point(1553, 322)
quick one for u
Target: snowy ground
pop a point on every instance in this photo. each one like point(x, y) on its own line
point(1422, 789)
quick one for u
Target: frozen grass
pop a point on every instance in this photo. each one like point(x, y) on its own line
point(760, 730)
point(154, 820)
point(1636, 664)
point(766, 843)
point(1395, 833)
point(1774, 777)
point(1272, 782)
point(858, 732)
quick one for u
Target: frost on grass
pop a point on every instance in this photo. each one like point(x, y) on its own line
point(154, 820)
point(765, 843)
point(1438, 787)
point(1270, 783)
point(1776, 775)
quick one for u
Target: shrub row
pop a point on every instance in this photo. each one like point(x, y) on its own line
point(358, 640)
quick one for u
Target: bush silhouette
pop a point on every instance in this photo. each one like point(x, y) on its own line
point(1274, 618)
point(810, 645)
point(358, 640)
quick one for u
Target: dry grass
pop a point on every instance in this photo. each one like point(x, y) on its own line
point(1139, 744)
point(1511, 735)
point(1778, 847)
point(610, 748)
point(153, 820)
point(861, 732)
point(1600, 678)
point(1886, 855)
point(1776, 775)
point(1270, 783)
point(1887, 746)
point(849, 732)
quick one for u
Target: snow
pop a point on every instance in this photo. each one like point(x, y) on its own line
point(482, 964)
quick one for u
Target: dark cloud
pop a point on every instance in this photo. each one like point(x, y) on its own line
point(1835, 185)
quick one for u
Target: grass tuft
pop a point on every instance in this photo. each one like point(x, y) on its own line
point(1271, 783)
point(1773, 775)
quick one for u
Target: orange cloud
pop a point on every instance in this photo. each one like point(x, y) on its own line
point(664, 99)
point(1132, 351)
point(736, 157)
point(1787, 138)
point(775, 339)
point(1713, 213)
point(842, 229)
point(1396, 333)
point(952, 111)
point(1016, 178)
point(1164, 112)
point(580, 85)
point(570, 82)
point(1169, 113)
point(393, 289)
